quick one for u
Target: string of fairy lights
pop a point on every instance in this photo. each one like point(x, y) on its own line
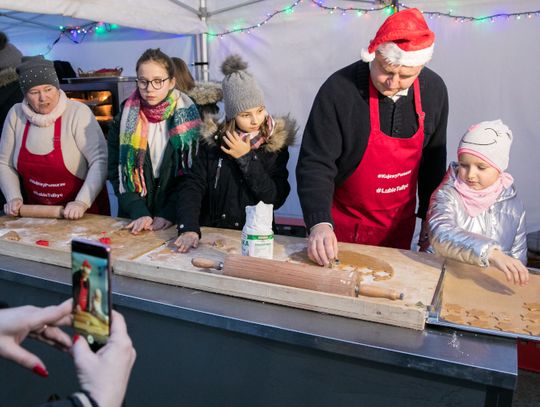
point(77, 34)
point(386, 6)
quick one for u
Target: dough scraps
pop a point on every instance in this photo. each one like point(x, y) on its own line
point(478, 314)
point(219, 243)
point(533, 316)
point(350, 261)
point(505, 326)
point(502, 317)
point(533, 329)
point(532, 306)
point(456, 318)
point(12, 235)
point(380, 269)
point(479, 323)
point(453, 308)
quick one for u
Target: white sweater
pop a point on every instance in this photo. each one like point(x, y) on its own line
point(84, 149)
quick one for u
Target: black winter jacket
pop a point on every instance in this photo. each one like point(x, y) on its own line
point(219, 187)
point(10, 92)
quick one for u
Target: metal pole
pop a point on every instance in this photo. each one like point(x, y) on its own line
point(202, 46)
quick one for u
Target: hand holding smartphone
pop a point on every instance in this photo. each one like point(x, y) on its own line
point(91, 275)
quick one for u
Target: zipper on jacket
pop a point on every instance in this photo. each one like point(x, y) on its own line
point(217, 172)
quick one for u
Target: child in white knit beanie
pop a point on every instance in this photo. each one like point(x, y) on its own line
point(475, 215)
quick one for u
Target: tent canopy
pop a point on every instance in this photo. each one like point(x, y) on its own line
point(156, 15)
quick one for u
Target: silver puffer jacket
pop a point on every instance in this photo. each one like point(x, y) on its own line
point(455, 234)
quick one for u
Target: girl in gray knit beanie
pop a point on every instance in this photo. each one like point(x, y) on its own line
point(241, 161)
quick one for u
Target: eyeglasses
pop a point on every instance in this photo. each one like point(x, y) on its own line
point(157, 84)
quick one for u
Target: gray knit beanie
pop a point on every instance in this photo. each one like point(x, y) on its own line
point(37, 71)
point(240, 90)
point(10, 56)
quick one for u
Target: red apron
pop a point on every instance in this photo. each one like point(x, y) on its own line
point(376, 204)
point(46, 179)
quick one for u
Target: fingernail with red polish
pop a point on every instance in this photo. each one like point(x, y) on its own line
point(76, 338)
point(40, 370)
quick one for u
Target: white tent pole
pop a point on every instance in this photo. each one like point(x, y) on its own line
point(201, 49)
point(204, 43)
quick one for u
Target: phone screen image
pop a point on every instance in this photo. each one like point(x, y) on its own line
point(91, 293)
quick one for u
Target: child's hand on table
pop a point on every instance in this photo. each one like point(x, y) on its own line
point(186, 241)
point(514, 269)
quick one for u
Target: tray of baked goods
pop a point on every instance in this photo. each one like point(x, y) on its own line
point(482, 300)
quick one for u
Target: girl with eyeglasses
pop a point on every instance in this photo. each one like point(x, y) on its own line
point(242, 160)
point(151, 143)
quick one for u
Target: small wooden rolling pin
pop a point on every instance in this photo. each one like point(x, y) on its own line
point(42, 211)
point(314, 278)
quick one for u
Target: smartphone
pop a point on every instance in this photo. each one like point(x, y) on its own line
point(91, 276)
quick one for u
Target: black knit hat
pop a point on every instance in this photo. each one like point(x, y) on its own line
point(37, 71)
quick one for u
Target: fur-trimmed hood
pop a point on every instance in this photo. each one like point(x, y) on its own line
point(284, 134)
point(206, 93)
point(7, 76)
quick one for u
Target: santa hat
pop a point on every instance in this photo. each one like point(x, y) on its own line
point(403, 39)
point(490, 141)
point(86, 264)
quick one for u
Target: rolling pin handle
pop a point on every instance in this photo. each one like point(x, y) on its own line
point(206, 263)
point(379, 292)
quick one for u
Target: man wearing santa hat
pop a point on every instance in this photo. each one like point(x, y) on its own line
point(376, 130)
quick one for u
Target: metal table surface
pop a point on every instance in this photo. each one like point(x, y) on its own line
point(484, 365)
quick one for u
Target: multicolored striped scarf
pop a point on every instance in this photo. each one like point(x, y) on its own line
point(183, 125)
point(256, 139)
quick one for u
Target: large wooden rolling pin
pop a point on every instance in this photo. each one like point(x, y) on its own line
point(329, 280)
point(42, 211)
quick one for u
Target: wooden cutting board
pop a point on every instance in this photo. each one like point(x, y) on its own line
point(482, 298)
point(414, 274)
point(59, 232)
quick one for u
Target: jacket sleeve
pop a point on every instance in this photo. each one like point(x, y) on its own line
point(130, 202)
point(433, 163)
point(519, 248)
point(316, 169)
point(91, 143)
point(270, 185)
point(9, 178)
point(448, 239)
point(191, 193)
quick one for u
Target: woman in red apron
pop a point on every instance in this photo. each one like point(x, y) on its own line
point(50, 178)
